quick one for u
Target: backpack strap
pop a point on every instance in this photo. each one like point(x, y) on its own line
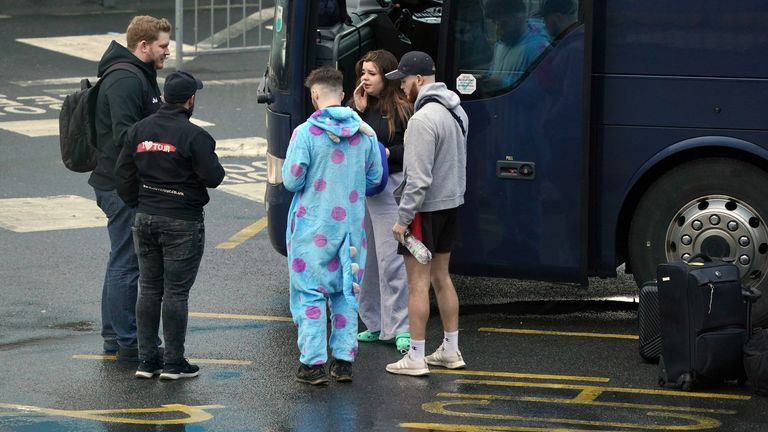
point(427, 100)
point(133, 69)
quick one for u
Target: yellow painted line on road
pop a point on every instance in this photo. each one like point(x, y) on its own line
point(519, 375)
point(194, 414)
point(244, 234)
point(240, 317)
point(558, 333)
point(594, 391)
point(112, 357)
point(577, 401)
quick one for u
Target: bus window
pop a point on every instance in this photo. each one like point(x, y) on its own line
point(280, 77)
point(498, 41)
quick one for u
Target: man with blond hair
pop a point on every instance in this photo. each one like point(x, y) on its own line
point(128, 92)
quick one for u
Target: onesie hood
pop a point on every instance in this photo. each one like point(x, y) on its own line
point(339, 122)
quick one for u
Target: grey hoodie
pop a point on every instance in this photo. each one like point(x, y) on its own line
point(435, 160)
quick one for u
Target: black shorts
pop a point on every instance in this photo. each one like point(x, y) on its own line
point(438, 230)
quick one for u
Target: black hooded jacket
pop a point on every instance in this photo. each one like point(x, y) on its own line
point(166, 165)
point(121, 103)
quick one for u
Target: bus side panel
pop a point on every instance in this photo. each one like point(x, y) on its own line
point(665, 72)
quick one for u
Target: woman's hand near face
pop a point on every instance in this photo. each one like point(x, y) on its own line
point(361, 98)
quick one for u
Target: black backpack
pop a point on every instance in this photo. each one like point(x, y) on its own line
point(77, 122)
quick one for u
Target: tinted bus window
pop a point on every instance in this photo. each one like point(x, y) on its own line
point(280, 75)
point(500, 41)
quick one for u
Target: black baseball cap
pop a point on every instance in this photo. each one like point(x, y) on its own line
point(565, 7)
point(180, 86)
point(413, 63)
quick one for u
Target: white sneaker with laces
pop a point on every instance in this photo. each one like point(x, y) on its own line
point(449, 360)
point(406, 366)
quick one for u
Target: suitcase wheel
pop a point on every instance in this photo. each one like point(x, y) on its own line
point(685, 382)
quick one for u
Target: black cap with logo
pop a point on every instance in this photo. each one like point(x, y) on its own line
point(413, 63)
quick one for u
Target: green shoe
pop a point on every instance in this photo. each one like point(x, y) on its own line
point(403, 342)
point(368, 336)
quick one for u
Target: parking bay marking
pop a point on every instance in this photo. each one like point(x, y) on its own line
point(519, 375)
point(240, 317)
point(246, 233)
point(195, 414)
point(557, 333)
point(112, 357)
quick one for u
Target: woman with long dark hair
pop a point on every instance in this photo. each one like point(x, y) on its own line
point(384, 292)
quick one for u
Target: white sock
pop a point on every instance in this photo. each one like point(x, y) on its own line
point(416, 352)
point(451, 341)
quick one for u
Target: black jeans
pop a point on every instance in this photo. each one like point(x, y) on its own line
point(169, 252)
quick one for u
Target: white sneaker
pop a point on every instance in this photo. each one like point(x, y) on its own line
point(450, 360)
point(406, 366)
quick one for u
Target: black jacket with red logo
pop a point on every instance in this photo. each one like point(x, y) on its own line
point(166, 164)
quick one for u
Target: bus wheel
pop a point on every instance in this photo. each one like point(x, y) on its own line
point(715, 206)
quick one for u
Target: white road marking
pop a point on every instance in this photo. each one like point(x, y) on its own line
point(241, 147)
point(76, 81)
point(25, 215)
point(50, 127)
point(4, 16)
point(92, 47)
point(250, 191)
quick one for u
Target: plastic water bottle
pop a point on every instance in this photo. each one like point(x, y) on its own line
point(417, 248)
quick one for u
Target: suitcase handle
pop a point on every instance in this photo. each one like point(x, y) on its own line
point(751, 294)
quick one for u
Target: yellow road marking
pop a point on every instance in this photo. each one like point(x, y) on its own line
point(479, 428)
point(194, 360)
point(241, 317)
point(607, 389)
point(577, 401)
point(558, 333)
point(518, 375)
point(698, 422)
point(244, 234)
point(195, 414)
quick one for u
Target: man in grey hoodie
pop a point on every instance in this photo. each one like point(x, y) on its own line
point(433, 189)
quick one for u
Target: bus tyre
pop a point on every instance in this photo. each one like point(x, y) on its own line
point(717, 206)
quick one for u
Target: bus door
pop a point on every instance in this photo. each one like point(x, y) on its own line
point(519, 67)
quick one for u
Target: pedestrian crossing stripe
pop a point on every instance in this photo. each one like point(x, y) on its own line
point(92, 47)
point(25, 215)
point(50, 127)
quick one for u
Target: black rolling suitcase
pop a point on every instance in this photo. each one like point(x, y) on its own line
point(648, 322)
point(704, 322)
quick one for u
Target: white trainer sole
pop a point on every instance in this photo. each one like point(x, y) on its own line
point(452, 365)
point(147, 375)
point(409, 372)
point(175, 376)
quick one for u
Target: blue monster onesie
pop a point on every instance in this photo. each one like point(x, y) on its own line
point(332, 158)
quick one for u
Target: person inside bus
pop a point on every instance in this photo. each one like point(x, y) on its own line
point(384, 291)
point(332, 158)
point(519, 42)
point(560, 17)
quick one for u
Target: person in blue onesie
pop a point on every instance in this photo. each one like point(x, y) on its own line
point(332, 158)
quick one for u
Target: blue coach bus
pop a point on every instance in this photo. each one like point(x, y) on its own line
point(635, 131)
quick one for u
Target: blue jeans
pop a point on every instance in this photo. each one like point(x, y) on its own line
point(118, 294)
point(169, 252)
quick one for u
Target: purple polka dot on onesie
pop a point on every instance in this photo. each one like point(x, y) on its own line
point(314, 130)
point(337, 156)
point(316, 114)
point(298, 265)
point(339, 321)
point(301, 211)
point(320, 185)
point(296, 170)
point(354, 140)
point(353, 196)
point(322, 291)
point(333, 265)
point(320, 240)
point(312, 312)
point(319, 363)
point(360, 274)
point(354, 352)
point(339, 214)
point(365, 243)
point(345, 132)
point(293, 135)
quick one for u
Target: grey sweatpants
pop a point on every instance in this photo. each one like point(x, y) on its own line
point(384, 293)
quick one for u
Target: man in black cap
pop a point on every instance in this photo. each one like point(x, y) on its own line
point(434, 167)
point(163, 170)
